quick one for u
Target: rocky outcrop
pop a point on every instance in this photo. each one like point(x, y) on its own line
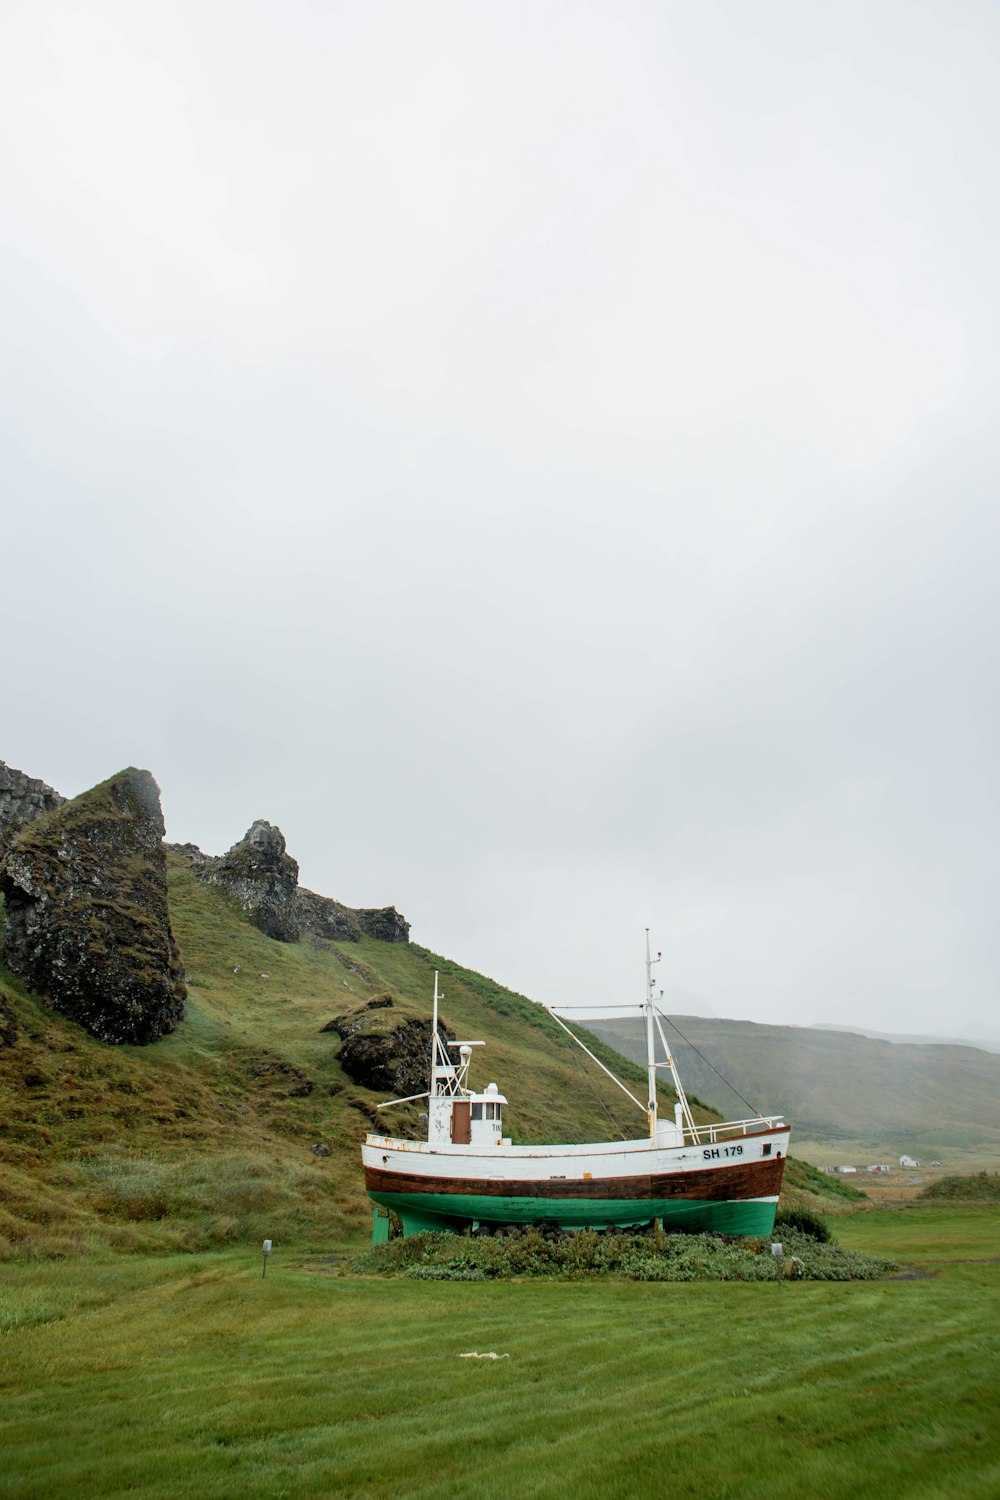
point(384, 923)
point(85, 911)
point(384, 1052)
point(196, 856)
point(263, 879)
point(259, 874)
point(325, 918)
point(346, 1025)
point(22, 800)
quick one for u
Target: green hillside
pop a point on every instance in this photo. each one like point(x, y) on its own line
point(207, 1136)
point(923, 1099)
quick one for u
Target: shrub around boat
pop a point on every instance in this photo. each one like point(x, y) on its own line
point(582, 1254)
point(803, 1220)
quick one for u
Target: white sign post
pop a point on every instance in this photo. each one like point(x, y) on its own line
point(267, 1251)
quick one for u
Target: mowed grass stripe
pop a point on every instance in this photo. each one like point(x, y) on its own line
point(207, 1381)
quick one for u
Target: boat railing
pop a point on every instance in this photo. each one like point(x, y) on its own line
point(724, 1130)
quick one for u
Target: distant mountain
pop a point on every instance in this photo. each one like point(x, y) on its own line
point(832, 1082)
point(980, 1039)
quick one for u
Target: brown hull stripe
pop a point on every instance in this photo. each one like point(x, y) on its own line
point(752, 1179)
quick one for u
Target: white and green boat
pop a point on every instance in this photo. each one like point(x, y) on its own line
point(721, 1176)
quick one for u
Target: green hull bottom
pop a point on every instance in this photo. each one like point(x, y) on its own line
point(457, 1211)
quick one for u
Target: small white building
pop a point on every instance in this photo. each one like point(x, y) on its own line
point(844, 1171)
point(908, 1161)
point(878, 1169)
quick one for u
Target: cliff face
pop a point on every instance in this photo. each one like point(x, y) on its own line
point(22, 799)
point(384, 923)
point(85, 911)
point(263, 878)
point(326, 918)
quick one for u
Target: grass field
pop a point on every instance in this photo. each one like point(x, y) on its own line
point(191, 1376)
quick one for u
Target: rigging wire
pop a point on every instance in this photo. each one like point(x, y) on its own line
point(593, 1089)
point(709, 1065)
point(584, 1048)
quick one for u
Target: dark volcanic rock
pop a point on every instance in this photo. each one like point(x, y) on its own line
point(389, 1056)
point(384, 923)
point(261, 876)
point(196, 856)
point(22, 800)
point(8, 1024)
point(85, 917)
point(263, 879)
point(326, 918)
point(345, 1025)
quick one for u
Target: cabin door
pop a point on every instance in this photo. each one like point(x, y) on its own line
point(461, 1122)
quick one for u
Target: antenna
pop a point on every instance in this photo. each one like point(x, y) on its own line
point(650, 1042)
point(434, 1037)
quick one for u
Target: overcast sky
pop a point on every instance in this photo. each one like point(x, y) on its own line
point(541, 455)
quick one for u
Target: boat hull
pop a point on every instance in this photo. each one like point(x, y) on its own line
point(419, 1212)
point(595, 1187)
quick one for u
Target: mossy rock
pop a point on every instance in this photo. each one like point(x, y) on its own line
point(86, 923)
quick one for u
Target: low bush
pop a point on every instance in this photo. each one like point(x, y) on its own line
point(588, 1253)
point(804, 1220)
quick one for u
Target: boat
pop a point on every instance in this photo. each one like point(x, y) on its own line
point(722, 1177)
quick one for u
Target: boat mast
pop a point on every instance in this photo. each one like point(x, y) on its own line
point(683, 1118)
point(650, 1040)
point(434, 1039)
